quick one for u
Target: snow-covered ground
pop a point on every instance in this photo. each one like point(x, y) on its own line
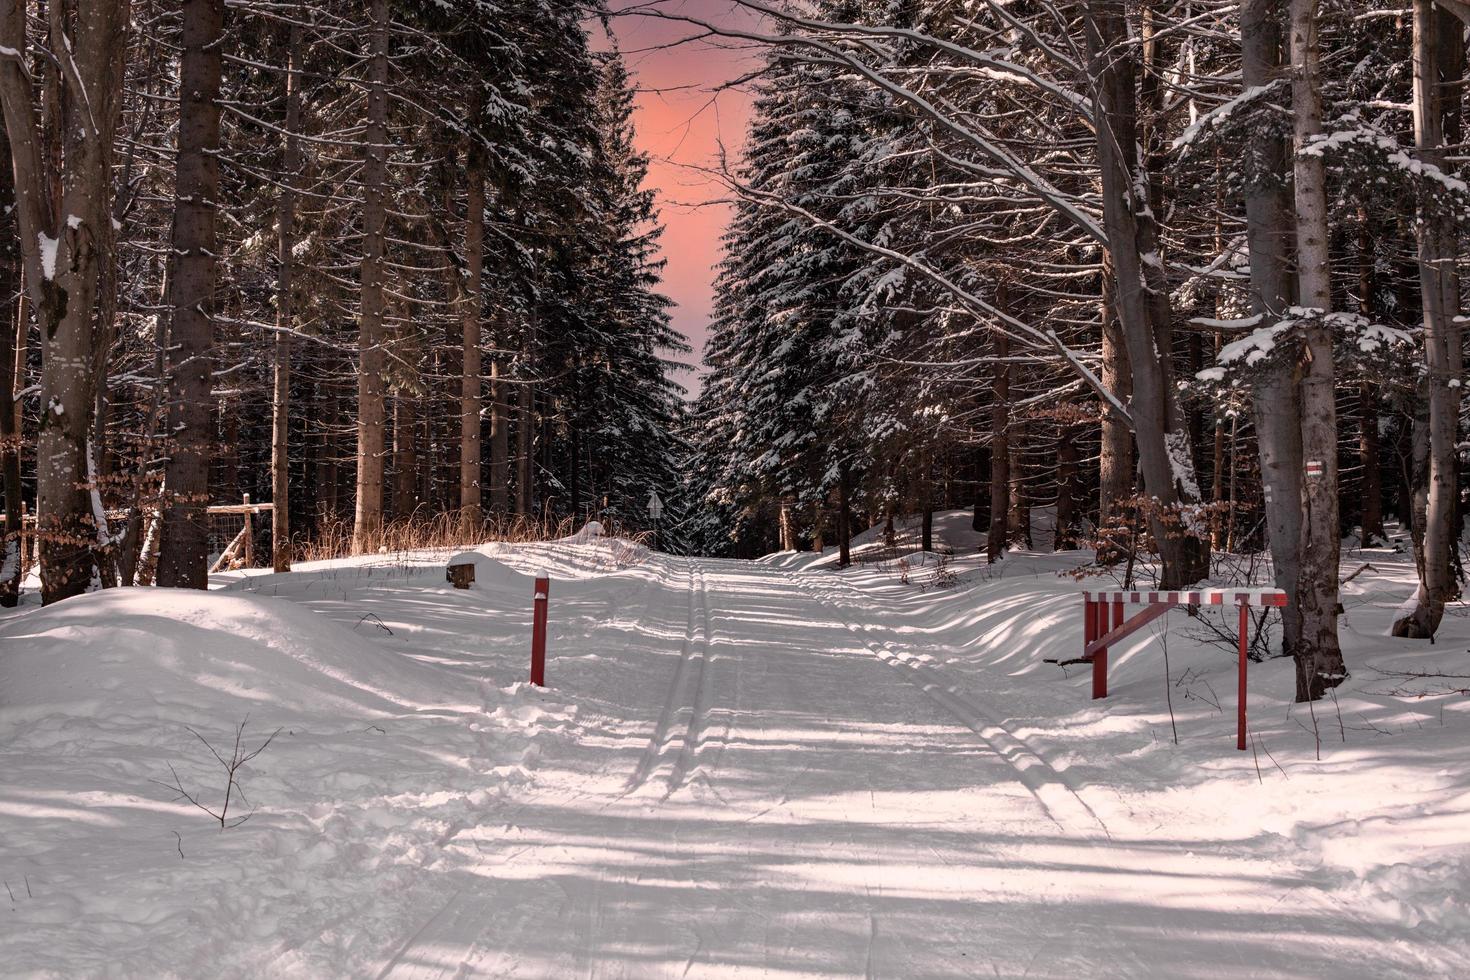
point(762, 768)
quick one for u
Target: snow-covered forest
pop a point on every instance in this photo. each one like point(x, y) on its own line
point(1188, 273)
point(389, 268)
point(1081, 391)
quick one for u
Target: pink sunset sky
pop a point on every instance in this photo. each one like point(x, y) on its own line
point(682, 119)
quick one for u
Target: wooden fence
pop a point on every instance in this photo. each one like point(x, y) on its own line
point(239, 553)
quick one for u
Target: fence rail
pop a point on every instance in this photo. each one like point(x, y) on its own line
point(240, 552)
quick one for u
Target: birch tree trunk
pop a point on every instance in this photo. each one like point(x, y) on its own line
point(371, 412)
point(1318, 657)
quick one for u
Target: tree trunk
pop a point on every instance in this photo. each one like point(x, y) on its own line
point(285, 323)
point(1142, 304)
point(406, 495)
point(1439, 294)
point(1369, 457)
point(1116, 471)
point(1275, 396)
point(844, 516)
point(11, 322)
point(62, 258)
point(471, 309)
point(1064, 535)
point(1018, 521)
point(183, 555)
point(499, 440)
point(525, 447)
point(1318, 658)
point(371, 414)
point(1000, 452)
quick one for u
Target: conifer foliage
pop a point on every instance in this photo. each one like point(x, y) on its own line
point(1184, 280)
point(371, 262)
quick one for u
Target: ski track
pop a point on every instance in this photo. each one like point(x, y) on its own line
point(678, 868)
point(1056, 793)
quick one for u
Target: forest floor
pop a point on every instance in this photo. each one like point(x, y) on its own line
point(765, 768)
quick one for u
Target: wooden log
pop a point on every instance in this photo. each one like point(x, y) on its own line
point(460, 576)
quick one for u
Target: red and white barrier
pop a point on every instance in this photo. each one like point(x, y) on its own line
point(1104, 625)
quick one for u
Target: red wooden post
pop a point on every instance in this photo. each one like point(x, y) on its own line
point(538, 632)
point(1100, 658)
point(1245, 621)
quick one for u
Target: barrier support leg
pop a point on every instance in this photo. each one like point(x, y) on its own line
point(538, 631)
point(1100, 658)
point(1245, 621)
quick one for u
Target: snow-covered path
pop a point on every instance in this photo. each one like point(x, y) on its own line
point(764, 768)
point(776, 786)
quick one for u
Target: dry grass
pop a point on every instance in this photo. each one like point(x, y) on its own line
point(440, 533)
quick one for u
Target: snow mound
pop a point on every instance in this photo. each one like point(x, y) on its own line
point(181, 657)
point(591, 532)
point(379, 750)
point(491, 572)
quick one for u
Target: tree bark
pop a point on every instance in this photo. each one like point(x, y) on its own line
point(499, 440)
point(1000, 452)
point(183, 555)
point(1439, 296)
point(11, 322)
point(1064, 536)
point(1142, 303)
point(470, 312)
point(525, 430)
point(406, 495)
point(1116, 473)
point(62, 210)
point(1018, 522)
point(371, 413)
point(1275, 396)
point(1318, 658)
point(285, 322)
point(844, 516)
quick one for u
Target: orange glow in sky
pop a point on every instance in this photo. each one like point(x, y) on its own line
point(681, 122)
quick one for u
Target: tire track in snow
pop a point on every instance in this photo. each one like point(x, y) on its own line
point(1053, 790)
